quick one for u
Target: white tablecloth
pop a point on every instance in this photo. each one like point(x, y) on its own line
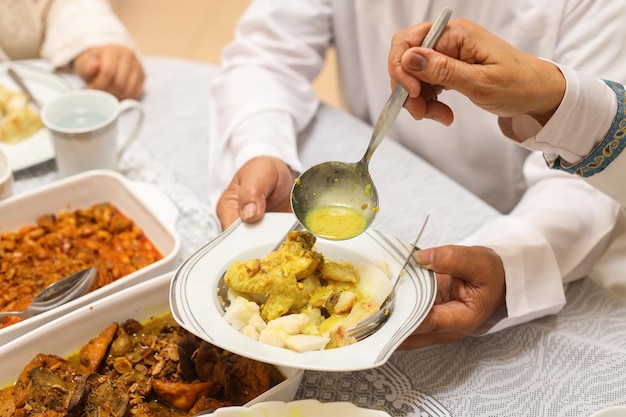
point(571, 364)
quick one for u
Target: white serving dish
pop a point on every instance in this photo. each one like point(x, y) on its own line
point(148, 207)
point(141, 302)
point(301, 408)
point(196, 306)
point(6, 176)
point(45, 86)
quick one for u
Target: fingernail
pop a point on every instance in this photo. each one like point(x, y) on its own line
point(424, 257)
point(416, 62)
point(438, 120)
point(249, 210)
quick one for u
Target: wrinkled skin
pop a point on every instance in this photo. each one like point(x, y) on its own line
point(489, 71)
point(470, 288)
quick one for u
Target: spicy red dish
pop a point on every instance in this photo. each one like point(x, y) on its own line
point(58, 245)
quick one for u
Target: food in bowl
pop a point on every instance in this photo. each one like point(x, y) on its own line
point(58, 245)
point(18, 119)
point(132, 368)
point(298, 299)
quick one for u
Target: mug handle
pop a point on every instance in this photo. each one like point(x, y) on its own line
point(127, 105)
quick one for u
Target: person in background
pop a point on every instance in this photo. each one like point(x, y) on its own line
point(84, 35)
point(575, 119)
point(511, 270)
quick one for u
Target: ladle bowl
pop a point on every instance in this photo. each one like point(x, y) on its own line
point(335, 200)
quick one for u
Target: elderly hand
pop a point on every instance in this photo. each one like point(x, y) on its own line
point(262, 184)
point(490, 72)
point(111, 68)
point(470, 288)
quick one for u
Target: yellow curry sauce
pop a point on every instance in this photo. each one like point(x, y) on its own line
point(336, 222)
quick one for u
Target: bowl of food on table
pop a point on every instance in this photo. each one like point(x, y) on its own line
point(99, 219)
point(292, 304)
point(125, 355)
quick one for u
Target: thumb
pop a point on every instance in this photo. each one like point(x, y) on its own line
point(436, 68)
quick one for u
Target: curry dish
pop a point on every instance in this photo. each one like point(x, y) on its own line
point(58, 245)
point(298, 299)
point(133, 369)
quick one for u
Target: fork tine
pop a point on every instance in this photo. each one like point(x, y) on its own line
point(370, 324)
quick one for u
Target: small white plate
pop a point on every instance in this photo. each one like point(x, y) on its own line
point(301, 408)
point(195, 305)
point(45, 86)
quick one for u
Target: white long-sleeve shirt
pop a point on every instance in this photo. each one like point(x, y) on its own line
point(57, 30)
point(585, 136)
point(553, 225)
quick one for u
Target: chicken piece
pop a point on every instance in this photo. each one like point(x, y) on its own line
point(7, 404)
point(47, 392)
point(93, 352)
point(246, 379)
point(336, 271)
point(210, 363)
point(179, 394)
point(277, 275)
point(31, 382)
point(207, 404)
point(97, 395)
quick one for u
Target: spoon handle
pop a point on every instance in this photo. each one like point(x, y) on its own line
point(399, 95)
point(13, 313)
point(20, 83)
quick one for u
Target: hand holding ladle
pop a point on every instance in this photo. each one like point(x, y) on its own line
point(338, 200)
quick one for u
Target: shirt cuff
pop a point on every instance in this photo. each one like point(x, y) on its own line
point(580, 122)
point(534, 287)
point(609, 147)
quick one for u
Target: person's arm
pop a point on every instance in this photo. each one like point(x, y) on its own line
point(73, 26)
point(537, 241)
point(577, 128)
point(88, 37)
point(261, 99)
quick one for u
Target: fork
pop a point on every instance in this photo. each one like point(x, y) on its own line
point(371, 324)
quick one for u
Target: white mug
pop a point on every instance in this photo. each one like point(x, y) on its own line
point(84, 130)
point(6, 176)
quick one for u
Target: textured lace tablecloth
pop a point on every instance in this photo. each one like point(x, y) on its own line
point(567, 365)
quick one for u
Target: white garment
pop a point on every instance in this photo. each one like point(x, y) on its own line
point(581, 122)
point(57, 30)
point(554, 226)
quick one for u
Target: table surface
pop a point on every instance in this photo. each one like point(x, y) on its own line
point(571, 364)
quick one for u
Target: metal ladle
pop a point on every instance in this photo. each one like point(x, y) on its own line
point(338, 200)
point(58, 293)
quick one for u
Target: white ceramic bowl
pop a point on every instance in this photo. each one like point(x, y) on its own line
point(141, 302)
point(301, 408)
point(148, 207)
point(6, 176)
point(196, 306)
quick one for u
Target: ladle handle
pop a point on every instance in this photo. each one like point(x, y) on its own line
point(399, 95)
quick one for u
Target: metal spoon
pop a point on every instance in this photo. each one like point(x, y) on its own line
point(338, 200)
point(17, 78)
point(58, 293)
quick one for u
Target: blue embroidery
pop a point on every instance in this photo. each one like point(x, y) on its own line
point(606, 151)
